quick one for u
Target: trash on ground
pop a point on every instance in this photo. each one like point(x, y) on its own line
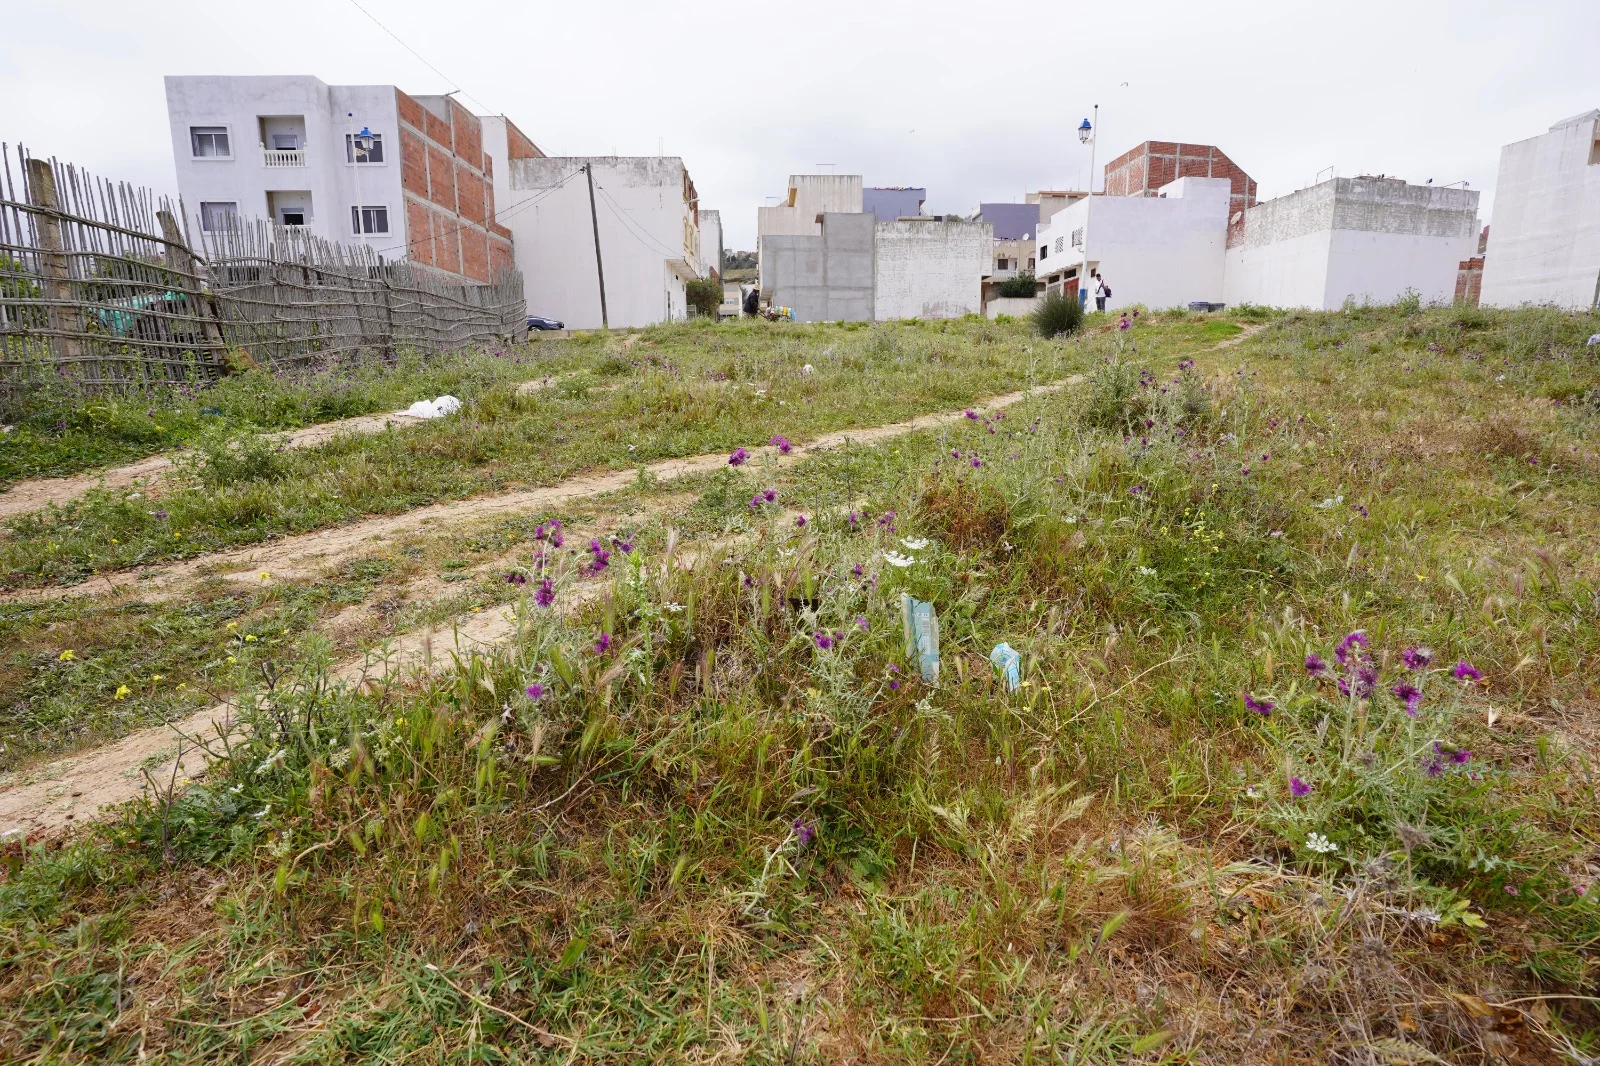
point(444, 405)
point(1009, 660)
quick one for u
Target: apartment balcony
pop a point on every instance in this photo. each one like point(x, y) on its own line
point(283, 157)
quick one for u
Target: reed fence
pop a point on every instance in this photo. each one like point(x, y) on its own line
point(101, 284)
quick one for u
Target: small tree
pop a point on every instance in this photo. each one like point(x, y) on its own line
point(704, 295)
point(1024, 286)
point(1057, 315)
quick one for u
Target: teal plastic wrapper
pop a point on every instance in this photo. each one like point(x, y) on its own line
point(1009, 661)
point(922, 636)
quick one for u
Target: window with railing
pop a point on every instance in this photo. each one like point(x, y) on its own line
point(1077, 237)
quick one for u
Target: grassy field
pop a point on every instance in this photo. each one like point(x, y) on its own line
point(1300, 766)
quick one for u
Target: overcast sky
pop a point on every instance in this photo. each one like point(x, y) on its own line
point(972, 101)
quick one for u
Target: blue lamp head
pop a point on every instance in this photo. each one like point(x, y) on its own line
point(364, 139)
point(1084, 130)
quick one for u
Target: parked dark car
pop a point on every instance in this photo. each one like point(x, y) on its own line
point(540, 322)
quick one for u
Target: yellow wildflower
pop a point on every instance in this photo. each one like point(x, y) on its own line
point(66, 656)
point(250, 638)
point(123, 692)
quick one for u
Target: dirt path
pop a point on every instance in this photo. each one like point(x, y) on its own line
point(307, 553)
point(56, 795)
point(38, 494)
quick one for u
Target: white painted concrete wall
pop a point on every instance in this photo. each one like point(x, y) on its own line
point(1366, 240)
point(641, 209)
point(1544, 239)
point(806, 197)
point(239, 103)
point(710, 242)
point(1159, 251)
point(1015, 306)
point(930, 269)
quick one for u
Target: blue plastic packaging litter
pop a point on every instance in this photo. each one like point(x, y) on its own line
point(922, 636)
point(1009, 660)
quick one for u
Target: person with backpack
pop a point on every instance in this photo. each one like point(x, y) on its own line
point(1102, 292)
point(752, 302)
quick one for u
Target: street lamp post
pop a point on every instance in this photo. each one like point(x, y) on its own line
point(1086, 135)
point(360, 148)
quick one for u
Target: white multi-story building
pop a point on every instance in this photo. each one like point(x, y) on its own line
point(647, 212)
point(1160, 251)
point(711, 244)
point(290, 149)
point(1544, 240)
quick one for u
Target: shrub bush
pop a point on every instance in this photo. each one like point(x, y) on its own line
point(1057, 316)
point(704, 295)
point(1023, 286)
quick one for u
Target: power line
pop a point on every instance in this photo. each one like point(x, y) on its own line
point(499, 218)
point(424, 62)
point(645, 238)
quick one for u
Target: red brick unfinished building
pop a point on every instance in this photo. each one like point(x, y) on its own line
point(1143, 170)
point(448, 183)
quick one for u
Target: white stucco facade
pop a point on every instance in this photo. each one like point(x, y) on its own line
point(1364, 240)
point(1160, 251)
point(263, 177)
point(930, 269)
point(649, 238)
point(1544, 239)
point(710, 243)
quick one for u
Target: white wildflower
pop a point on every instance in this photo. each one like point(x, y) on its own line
point(271, 760)
point(808, 368)
point(674, 607)
point(1331, 502)
point(1253, 792)
point(895, 559)
point(1426, 915)
point(1320, 844)
point(1147, 571)
point(917, 544)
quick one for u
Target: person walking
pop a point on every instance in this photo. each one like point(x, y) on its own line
point(1102, 292)
point(752, 301)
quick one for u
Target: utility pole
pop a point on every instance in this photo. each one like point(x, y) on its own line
point(1088, 203)
point(588, 171)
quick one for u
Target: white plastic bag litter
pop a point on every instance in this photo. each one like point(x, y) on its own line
point(444, 405)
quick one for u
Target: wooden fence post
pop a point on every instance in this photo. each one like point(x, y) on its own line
point(54, 267)
point(182, 261)
point(387, 349)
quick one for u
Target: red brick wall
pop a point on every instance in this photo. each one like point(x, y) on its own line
point(1143, 170)
point(1469, 280)
point(419, 232)
point(447, 181)
point(518, 146)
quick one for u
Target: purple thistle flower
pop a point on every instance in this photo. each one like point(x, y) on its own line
point(1461, 756)
point(782, 444)
point(804, 833)
point(955, 454)
point(535, 691)
point(1314, 664)
point(971, 414)
point(546, 595)
point(770, 495)
point(857, 570)
point(976, 462)
point(1465, 671)
point(1137, 490)
point(623, 546)
point(602, 645)
point(887, 519)
point(161, 516)
point(1298, 788)
point(1434, 768)
point(738, 457)
point(861, 620)
point(822, 639)
point(1366, 680)
point(601, 556)
point(1351, 648)
point(1261, 707)
point(1416, 657)
point(749, 582)
point(800, 521)
point(755, 501)
point(556, 539)
point(1410, 695)
point(1361, 510)
point(517, 577)
point(894, 686)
